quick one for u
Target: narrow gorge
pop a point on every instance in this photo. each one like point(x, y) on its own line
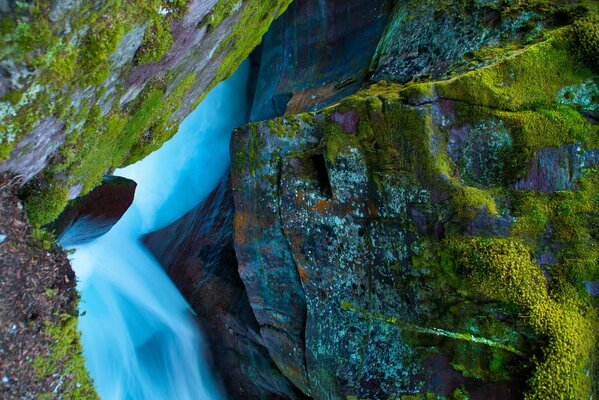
point(310, 199)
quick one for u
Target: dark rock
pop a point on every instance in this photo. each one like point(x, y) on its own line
point(552, 169)
point(480, 150)
point(197, 253)
point(317, 53)
point(94, 214)
point(433, 38)
point(326, 232)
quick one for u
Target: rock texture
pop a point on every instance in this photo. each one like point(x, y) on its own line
point(197, 253)
point(349, 221)
point(87, 87)
point(360, 229)
point(94, 214)
point(315, 54)
point(438, 38)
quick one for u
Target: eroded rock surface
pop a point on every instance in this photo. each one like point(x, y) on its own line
point(94, 214)
point(197, 253)
point(349, 222)
point(317, 53)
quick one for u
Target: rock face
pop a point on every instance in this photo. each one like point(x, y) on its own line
point(94, 214)
point(197, 253)
point(317, 53)
point(86, 87)
point(390, 245)
point(355, 229)
point(438, 38)
point(554, 169)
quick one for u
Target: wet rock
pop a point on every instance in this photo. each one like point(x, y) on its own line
point(315, 54)
point(592, 288)
point(197, 253)
point(327, 229)
point(552, 168)
point(94, 214)
point(434, 38)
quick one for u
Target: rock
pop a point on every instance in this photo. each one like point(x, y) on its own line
point(592, 288)
point(435, 38)
point(553, 169)
point(33, 153)
point(94, 214)
point(346, 220)
point(3, 237)
point(197, 253)
point(315, 54)
point(326, 254)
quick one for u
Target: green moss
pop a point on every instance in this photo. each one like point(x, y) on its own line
point(532, 211)
point(469, 200)
point(503, 269)
point(586, 39)
point(45, 199)
point(156, 43)
point(99, 43)
point(158, 38)
point(66, 360)
point(533, 130)
point(247, 33)
point(530, 79)
point(221, 11)
point(570, 218)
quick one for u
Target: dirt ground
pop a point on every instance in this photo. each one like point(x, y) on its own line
point(37, 293)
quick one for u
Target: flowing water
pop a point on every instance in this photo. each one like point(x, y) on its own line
point(140, 339)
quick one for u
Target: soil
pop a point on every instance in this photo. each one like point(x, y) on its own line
point(37, 286)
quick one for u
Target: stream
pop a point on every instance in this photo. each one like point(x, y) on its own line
point(140, 338)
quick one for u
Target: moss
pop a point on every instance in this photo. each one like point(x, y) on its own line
point(221, 11)
point(530, 79)
point(99, 43)
point(157, 37)
point(586, 39)
point(503, 269)
point(44, 200)
point(247, 32)
point(469, 200)
point(570, 220)
point(66, 360)
point(532, 212)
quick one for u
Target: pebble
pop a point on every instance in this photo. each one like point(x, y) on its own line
point(2, 237)
point(5, 379)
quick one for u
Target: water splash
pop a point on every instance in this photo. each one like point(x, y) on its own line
point(140, 339)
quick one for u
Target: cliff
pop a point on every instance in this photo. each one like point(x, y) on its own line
point(434, 234)
point(413, 213)
point(86, 87)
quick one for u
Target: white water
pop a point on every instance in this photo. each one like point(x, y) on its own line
point(139, 338)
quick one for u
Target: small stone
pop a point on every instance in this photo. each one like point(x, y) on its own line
point(5, 379)
point(2, 237)
point(592, 288)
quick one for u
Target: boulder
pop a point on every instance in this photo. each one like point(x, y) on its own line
point(91, 216)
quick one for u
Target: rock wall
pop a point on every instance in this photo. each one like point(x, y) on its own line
point(86, 87)
point(197, 253)
point(315, 54)
point(391, 244)
point(421, 238)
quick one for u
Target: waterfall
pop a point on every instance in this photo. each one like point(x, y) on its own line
point(140, 339)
